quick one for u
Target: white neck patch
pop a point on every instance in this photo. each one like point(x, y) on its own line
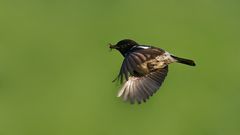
point(143, 47)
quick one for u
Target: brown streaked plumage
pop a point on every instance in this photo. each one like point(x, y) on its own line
point(143, 70)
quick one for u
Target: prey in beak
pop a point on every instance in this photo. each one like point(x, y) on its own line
point(111, 46)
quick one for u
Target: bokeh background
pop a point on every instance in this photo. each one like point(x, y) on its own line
point(56, 69)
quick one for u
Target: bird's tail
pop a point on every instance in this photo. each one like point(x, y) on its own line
point(184, 61)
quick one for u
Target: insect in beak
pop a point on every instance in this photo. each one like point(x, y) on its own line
point(112, 46)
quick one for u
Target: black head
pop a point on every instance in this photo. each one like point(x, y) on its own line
point(124, 46)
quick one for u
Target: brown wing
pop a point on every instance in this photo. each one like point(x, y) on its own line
point(141, 88)
point(130, 65)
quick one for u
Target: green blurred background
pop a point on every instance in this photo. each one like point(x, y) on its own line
point(56, 69)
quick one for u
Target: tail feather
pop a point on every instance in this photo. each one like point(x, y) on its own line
point(184, 61)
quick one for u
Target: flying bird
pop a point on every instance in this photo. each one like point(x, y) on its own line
point(143, 69)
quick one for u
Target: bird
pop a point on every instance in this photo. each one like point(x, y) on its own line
point(143, 69)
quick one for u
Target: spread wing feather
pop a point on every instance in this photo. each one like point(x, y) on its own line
point(141, 88)
point(138, 87)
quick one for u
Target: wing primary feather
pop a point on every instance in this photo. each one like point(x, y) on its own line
point(147, 93)
point(141, 91)
point(131, 94)
point(129, 66)
point(148, 86)
point(136, 91)
point(132, 64)
point(125, 72)
point(126, 93)
point(121, 91)
point(155, 78)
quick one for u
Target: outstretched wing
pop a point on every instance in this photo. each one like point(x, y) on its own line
point(141, 88)
point(131, 63)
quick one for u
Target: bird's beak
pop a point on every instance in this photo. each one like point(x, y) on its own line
point(112, 46)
